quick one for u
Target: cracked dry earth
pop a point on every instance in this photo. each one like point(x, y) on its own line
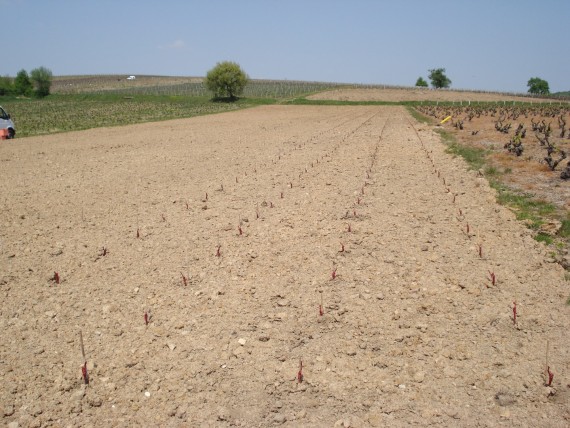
point(412, 330)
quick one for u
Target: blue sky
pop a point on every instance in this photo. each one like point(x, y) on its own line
point(482, 44)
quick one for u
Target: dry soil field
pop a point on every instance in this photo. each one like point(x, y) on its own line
point(414, 94)
point(225, 231)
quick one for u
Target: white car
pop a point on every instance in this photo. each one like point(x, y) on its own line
point(131, 77)
point(6, 123)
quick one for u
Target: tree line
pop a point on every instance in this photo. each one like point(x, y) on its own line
point(36, 83)
point(438, 79)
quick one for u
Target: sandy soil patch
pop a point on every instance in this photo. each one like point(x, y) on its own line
point(412, 330)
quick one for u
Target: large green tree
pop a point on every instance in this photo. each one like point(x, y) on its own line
point(23, 84)
point(438, 78)
point(226, 80)
point(42, 78)
point(538, 86)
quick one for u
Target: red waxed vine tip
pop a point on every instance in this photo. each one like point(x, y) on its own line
point(321, 312)
point(55, 277)
point(333, 274)
point(480, 250)
point(184, 279)
point(514, 312)
point(492, 277)
point(240, 231)
point(349, 228)
point(146, 318)
point(300, 372)
point(218, 252)
point(341, 247)
point(550, 376)
point(138, 233)
point(84, 373)
point(467, 228)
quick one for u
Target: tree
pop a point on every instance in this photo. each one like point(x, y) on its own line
point(438, 78)
point(421, 82)
point(6, 85)
point(537, 86)
point(23, 84)
point(42, 80)
point(226, 79)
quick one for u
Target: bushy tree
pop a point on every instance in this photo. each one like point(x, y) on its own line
point(226, 80)
point(538, 86)
point(41, 77)
point(23, 84)
point(421, 82)
point(438, 78)
point(6, 85)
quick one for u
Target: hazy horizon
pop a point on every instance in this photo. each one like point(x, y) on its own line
point(484, 45)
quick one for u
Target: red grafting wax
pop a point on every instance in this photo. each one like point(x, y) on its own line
point(240, 231)
point(321, 310)
point(218, 252)
point(84, 373)
point(550, 376)
point(514, 312)
point(184, 279)
point(341, 247)
point(300, 372)
point(56, 277)
point(333, 274)
point(138, 233)
point(146, 318)
point(349, 228)
point(480, 250)
point(468, 228)
point(492, 277)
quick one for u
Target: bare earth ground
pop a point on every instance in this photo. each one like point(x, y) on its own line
point(414, 94)
point(413, 331)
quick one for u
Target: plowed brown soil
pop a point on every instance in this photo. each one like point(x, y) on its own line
point(413, 332)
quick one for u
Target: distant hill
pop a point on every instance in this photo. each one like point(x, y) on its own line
point(565, 94)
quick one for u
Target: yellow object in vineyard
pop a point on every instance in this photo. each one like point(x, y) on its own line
point(446, 119)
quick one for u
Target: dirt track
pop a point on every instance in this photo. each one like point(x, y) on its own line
point(413, 332)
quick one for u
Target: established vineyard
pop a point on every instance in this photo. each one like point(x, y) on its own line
point(548, 141)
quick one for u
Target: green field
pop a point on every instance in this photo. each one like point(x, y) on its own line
point(84, 102)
